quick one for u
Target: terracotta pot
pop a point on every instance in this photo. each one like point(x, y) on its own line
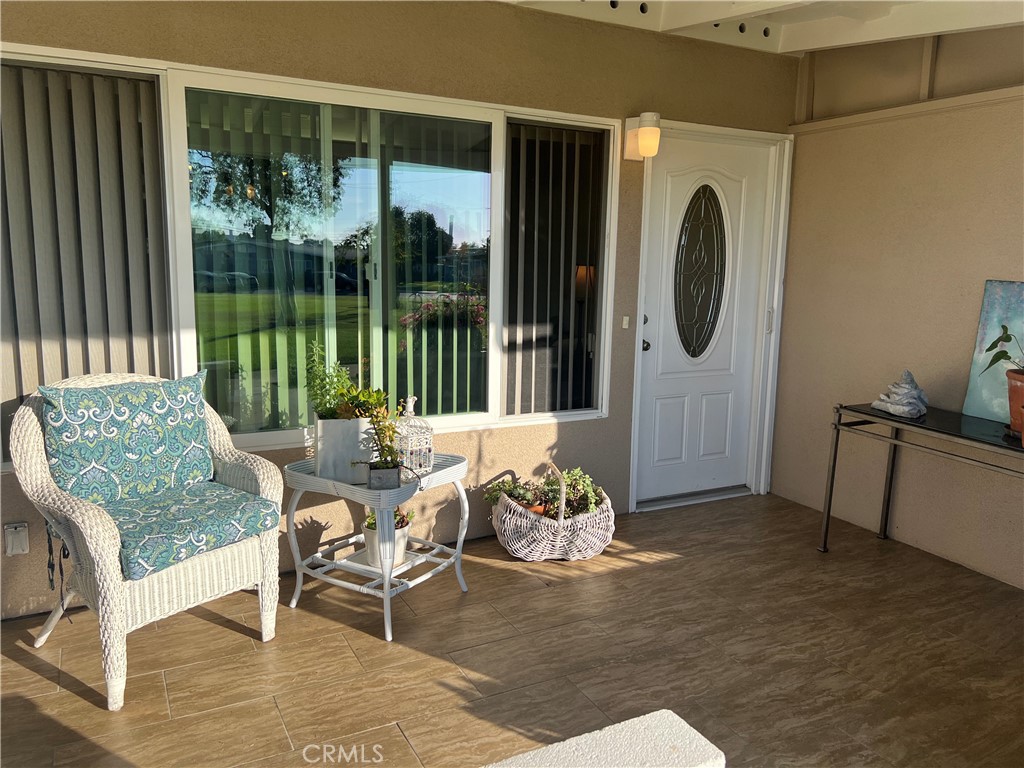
point(537, 509)
point(1015, 384)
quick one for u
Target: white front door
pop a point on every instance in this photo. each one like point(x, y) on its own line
point(711, 204)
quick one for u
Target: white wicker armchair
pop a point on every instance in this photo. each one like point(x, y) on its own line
point(94, 543)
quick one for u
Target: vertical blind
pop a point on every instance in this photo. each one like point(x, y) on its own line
point(435, 253)
point(555, 223)
point(82, 230)
point(260, 206)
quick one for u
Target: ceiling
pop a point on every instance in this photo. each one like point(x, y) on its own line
point(793, 27)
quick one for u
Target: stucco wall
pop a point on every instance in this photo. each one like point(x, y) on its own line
point(894, 228)
point(489, 52)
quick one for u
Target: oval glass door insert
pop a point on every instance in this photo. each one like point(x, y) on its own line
point(700, 271)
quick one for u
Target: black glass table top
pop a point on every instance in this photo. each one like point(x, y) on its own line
point(950, 423)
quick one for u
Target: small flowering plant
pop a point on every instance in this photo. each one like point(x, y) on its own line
point(460, 308)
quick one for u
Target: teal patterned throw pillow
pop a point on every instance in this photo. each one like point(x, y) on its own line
point(127, 441)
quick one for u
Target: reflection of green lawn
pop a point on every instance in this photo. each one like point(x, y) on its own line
point(224, 316)
point(255, 350)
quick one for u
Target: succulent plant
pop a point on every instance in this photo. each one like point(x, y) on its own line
point(581, 495)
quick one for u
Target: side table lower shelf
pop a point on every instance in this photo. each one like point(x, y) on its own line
point(386, 581)
point(318, 566)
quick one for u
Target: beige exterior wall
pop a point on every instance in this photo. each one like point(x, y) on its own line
point(979, 61)
point(490, 52)
point(863, 77)
point(895, 227)
point(844, 81)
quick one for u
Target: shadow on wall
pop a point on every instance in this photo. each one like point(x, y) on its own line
point(322, 521)
point(478, 457)
point(7, 411)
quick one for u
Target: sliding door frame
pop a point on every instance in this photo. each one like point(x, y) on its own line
point(182, 274)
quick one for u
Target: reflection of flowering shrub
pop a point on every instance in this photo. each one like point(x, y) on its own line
point(461, 308)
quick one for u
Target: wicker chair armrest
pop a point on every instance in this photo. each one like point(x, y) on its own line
point(245, 471)
point(96, 543)
point(95, 538)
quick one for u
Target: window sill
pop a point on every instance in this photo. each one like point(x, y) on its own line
point(305, 437)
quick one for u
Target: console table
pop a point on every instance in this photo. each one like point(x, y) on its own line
point(384, 582)
point(948, 426)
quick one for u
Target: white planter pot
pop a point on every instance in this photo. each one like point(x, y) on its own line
point(340, 443)
point(373, 548)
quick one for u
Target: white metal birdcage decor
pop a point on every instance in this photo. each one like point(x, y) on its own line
point(415, 443)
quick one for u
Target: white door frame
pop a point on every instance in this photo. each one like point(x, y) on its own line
point(766, 355)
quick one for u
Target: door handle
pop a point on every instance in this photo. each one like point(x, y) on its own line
point(646, 345)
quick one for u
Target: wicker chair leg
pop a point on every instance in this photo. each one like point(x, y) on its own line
point(114, 646)
point(268, 608)
point(115, 693)
point(269, 586)
point(51, 620)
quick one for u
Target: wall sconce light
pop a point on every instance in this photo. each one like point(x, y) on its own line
point(643, 134)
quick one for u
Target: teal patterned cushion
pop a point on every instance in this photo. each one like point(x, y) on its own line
point(162, 530)
point(127, 441)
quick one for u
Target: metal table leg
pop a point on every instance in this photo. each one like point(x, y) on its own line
point(463, 527)
point(293, 543)
point(890, 474)
point(386, 547)
point(826, 512)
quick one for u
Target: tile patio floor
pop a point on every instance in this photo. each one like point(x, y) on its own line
point(876, 654)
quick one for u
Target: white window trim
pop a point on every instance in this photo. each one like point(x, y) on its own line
point(173, 78)
point(603, 364)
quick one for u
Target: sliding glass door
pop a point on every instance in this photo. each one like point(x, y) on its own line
point(364, 230)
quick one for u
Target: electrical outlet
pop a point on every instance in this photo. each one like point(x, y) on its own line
point(16, 538)
point(625, 322)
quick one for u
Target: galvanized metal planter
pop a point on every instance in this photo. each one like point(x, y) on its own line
point(385, 479)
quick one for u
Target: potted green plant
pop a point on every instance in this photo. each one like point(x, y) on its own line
point(386, 463)
point(1014, 376)
point(403, 522)
point(355, 430)
point(542, 498)
point(526, 493)
point(581, 494)
point(343, 444)
point(580, 529)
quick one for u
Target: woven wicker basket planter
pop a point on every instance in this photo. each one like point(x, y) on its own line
point(530, 536)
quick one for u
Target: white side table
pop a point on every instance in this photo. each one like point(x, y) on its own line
point(384, 582)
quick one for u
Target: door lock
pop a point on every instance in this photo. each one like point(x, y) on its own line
point(646, 345)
